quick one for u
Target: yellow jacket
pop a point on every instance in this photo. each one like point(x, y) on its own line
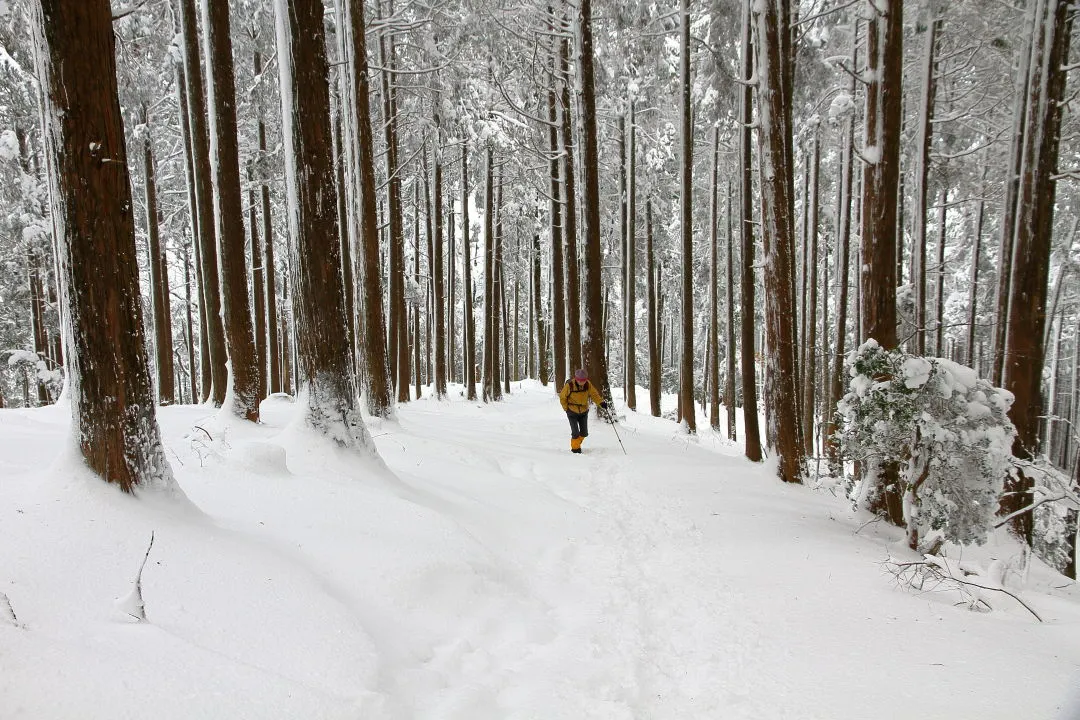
point(575, 397)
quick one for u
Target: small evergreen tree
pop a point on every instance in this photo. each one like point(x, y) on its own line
point(948, 431)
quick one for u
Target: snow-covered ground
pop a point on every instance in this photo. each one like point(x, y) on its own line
point(486, 572)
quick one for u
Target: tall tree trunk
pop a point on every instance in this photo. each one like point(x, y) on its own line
point(729, 304)
point(325, 358)
point(1024, 348)
point(686, 225)
point(631, 264)
point(774, 141)
point(809, 386)
point(37, 319)
point(976, 254)
point(573, 286)
point(112, 398)
point(342, 158)
point(923, 143)
point(204, 203)
point(746, 243)
point(417, 279)
point(229, 213)
point(266, 253)
point(159, 286)
point(489, 275)
point(258, 291)
point(881, 178)
point(543, 370)
point(377, 376)
point(593, 334)
point(469, 345)
point(714, 287)
point(939, 304)
point(843, 235)
point(189, 326)
point(497, 294)
point(653, 316)
point(558, 264)
point(437, 264)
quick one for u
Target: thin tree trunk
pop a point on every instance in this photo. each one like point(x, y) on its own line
point(976, 254)
point(572, 289)
point(686, 224)
point(543, 370)
point(714, 283)
point(729, 304)
point(206, 230)
point(923, 143)
point(469, 346)
point(746, 235)
point(258, 288)
point(558, 263)
point(266, 252)
point(939, 304)
point(653, 317)
point(416, 277)
point(189, 326)
point(379, 397)
point(631, 265)
point(437, 266)
point(159, 288)
point(809, 385)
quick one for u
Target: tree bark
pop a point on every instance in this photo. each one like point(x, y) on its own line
point(923, 142)
point(686, 225)
point(229, 213)
point(1024, 348)
point(324, 357)
point(593, 334)
point(558, 263)
point(258, 292)
point(112, 398)
point(631, 264)
point(746, 242)
point(881, 176)
point(573, 287)
point(774, 141)
point(714, 287)
point(469, 344)
point(653, 316)
point(809, 384)
point(377, 375)
point(204, 205)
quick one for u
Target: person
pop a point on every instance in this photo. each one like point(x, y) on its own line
point(575, 396)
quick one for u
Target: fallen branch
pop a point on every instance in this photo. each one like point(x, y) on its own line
point(935, 571)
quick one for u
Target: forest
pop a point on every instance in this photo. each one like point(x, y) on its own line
point(853, 219)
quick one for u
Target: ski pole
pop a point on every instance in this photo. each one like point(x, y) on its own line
point(612, 421)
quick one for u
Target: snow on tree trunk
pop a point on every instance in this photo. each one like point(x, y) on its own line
point(112, 399)
point(373, 328)
point(244, 371)
point(1024, 336)
point(881, 178)
point(327, 378)
point(204, 205)
point(592, 331)
point(558, 263)
point(686, 225)
point(469, 345)
point(569, 193)
point(775, 140)
point(746, 243)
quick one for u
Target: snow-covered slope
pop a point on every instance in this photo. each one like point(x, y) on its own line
point(487, 573)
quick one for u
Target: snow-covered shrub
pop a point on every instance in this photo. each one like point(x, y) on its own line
point(947, 430)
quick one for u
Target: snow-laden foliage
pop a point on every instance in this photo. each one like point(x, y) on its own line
point(946, 428)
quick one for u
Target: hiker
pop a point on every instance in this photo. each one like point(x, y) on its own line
point(574, 396)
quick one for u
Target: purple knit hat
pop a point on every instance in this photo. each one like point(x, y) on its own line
point(580, 375)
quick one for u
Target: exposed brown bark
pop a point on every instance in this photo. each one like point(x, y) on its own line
point(543, 370)
point(323, 353)
point(922, 169)
point(112, 398)
point(189, 325)
point(1024, 348)
point(558, 263)
point(714, 288)
point(593, 333)
point(258, 291)
point(686, 226)
point(631, 263)
point(570, 239)
point(437, 279)
point(206, 230)
point(416, 276)
point(229, 213)
point(653, 315)
point(809, 383)
point(880, 188)
point(373, 329)
point(746, 244)
point(270, 277)
point(775, 142)
point(159, 288)
point(729, 287)
point(469, 344)
point(976, 254)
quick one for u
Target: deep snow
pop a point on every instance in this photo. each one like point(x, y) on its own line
point(488, 573)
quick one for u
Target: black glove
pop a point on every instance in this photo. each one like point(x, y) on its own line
point(604, 405)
